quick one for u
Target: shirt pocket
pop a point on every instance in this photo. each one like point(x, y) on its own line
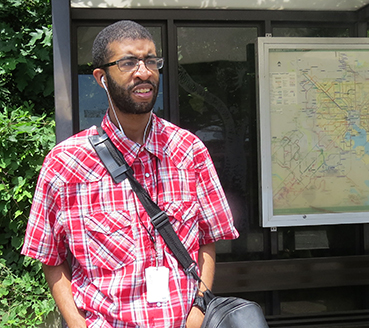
point(110, 240)
point(184, 218)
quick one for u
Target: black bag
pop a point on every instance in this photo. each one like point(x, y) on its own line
point(232, 312)
point(221, 312)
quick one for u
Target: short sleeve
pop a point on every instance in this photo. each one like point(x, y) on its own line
point(44, 239)
point(216, 220)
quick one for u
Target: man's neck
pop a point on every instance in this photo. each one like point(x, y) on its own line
point(133, 125)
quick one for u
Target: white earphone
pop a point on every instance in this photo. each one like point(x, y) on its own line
point(111, 103)
point(103, 82)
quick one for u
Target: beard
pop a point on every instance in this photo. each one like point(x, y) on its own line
point(122, 100)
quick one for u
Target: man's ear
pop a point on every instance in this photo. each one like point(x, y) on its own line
point(98, 74)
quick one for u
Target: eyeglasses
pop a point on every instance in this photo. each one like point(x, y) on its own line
point(132, 64)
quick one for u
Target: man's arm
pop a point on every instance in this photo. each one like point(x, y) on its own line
point(206, 263)
point(59, 281)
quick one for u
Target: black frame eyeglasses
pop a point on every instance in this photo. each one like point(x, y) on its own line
point(132, 64)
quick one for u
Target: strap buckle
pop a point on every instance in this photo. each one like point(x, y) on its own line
point(158, 220)
point(192, 271)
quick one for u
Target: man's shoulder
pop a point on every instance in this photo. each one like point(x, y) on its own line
point(169, 130)
point(180, 144)
point(76, 143)
point(74, 158)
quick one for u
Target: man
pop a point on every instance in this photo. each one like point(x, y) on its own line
point(115, 250)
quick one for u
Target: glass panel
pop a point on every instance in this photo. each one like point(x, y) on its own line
point(320, 300)
point(297, 242)
point(319, 241)
point(310, 32)
point(93, 101)
point(217, 103)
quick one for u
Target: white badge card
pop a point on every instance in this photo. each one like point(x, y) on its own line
point(157, 282)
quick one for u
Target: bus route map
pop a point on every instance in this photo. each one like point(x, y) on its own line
point(319, 107)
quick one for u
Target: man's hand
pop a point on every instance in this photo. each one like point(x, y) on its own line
point(195, 318)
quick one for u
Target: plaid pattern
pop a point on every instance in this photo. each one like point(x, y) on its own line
point(76, 203)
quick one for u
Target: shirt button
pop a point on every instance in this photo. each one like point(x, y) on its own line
point(158, 304)
point(147, 175)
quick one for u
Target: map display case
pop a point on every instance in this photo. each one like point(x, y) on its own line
point(313, 119)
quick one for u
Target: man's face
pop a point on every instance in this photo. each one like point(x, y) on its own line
point(133, 92)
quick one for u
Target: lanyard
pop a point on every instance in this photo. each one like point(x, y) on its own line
point(151, 235)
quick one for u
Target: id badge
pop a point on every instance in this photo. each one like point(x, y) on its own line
point(157, 282)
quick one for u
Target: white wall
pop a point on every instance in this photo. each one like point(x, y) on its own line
point(225, 4)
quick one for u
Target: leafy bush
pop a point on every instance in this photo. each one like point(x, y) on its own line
point(25, 139)
point(26, 66)
point(26, 135)
point(25, 300)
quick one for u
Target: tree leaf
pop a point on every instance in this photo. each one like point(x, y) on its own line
point(37, 35)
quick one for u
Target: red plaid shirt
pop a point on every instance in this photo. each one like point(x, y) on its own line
point(76, 203)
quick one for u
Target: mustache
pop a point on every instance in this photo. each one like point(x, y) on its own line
point(143, 82)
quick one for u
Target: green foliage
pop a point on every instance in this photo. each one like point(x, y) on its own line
point(26, 135)
point(26, 53)
point(25, 139)
point(24, 301)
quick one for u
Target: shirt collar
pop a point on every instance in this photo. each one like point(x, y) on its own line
point(130, 149)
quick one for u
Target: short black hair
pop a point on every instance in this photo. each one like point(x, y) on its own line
point(118, 31)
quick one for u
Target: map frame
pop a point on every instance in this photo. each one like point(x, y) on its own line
point(266, 48)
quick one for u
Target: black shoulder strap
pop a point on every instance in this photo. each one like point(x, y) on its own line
point(110, 156)
point(118, 168)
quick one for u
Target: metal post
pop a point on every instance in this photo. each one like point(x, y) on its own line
point(62, 68)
